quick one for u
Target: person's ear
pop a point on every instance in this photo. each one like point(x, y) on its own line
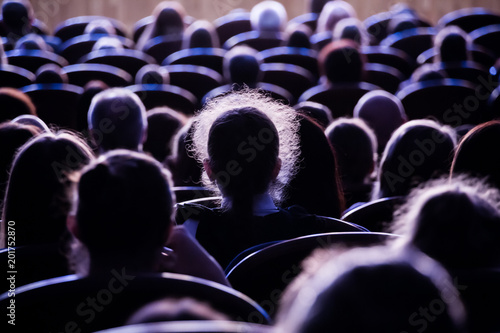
point(208, 169)
point(277, 168)
point(72, 226)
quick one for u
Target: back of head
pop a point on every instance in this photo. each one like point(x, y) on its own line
point(453, 45)
point(117, 119)
point(17, 15)
point(342, 62)
point(51, 73)
point(316, 6)
point(350, 28)
point(355, 146)
point(365, 290)
point(14, 103)
point(478, 153)
point(100, 27)
point(200, 34)
point(268, 16)
point(418, 151)
point(124, 209)
point(457, 223)
point(163, 124)
point(32, 42)
point(383, 112)
point(108, 43)
point(317, 186)
point(242, 66)
point(152, 74)
point(37, 195)
point(169, 19)
point(298, 36)
point(332, 13)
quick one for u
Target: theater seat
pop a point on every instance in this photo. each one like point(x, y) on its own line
point(15, 77)
point(390, 57)
point(155, 95)
point(469, 19)
point(308, 19)
point(305, 58)
point(383, 76)
point(231, 25)
point(264, 274)
point(256, 40)
point(293, 78)
point(412, 41)
point(75, 26)
point(488, 37)
point(209, 57)
point(97, 303)
point(276, 92)
point(481, 55)
point(185, 193)
point(128, 60)
point(81, 74)
point(161, 47)
point(32, 60)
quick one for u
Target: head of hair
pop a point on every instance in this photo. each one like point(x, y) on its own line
point(332, 13)
point(298, 36)
point(478, 153)
point(316, 6)
point(316, 186)
point(163, 124)
point(418, 150)
point(37, 195)
point(268, 16)
point(152, 74)
point(320, 113)
point(124, 211)
point(384, 289)
point(355, 146)
point(32, 42)
point(15, 103)
point(170, 309)
point(117, 119)
point(242, 66)
point(200, 34)
point(455, 222)
point(17, 15)
point(12, 137)
point(168, 19)
point(262, 131)
point(383, 112)
point(51, 73)
point(100, 27)
point(351, 28)
point(108, 43)
point(452, 44)
point(341, 61)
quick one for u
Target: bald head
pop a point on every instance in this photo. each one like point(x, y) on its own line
point(117, 119)
point(383, 112)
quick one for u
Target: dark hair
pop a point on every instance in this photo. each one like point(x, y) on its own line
point(478, 153)
point(51, 73)
point(341, 61)
point(152, 74)
point(418, 151)
point(14, 103)
point(200, 34)
point(452, 44)
point(124, 209)
point(37, 197)
point(299, 37)
point(241, 66)
point(317, 186)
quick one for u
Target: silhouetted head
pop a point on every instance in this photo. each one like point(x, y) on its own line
point(455, 222)
point(163, 124)
point(383, 112)
point(371, 290)
point(200, 34)
point(17, 16)
point(100, 27)
point(169, 19)
point(351, 28)
point(152, 74)
point(418, 151)
point(108, 43)
point(117, 119)
point(452, 44)
point(14, 103)
point(341, 61)
point(316, 111)
point(37, 195)
point(248, 143)
point(268, 16)
point(242, 66)
point(478, 153)
point(332, 13)
point(51, 73)
point(124, 209)
point(316, 6)
point(355, 146)
point(298, 36)
point(32, 42)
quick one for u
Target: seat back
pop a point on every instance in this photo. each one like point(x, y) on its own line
point(390, 57)
point(15, 77)
point(97, 303)
point(450, 101)
point(386, 77)
point(321, 39)
point(55, 103)
point(155, 95)
point(481, 55)
point(469, 19)
point(81, 74)
point(162, 46)
point(231, 25)
point(185, 193)
point(209, 57)
point(140, 26)
point(75, 48)
point(377, 25)
point(339, 98)
point(375, 215)
point(488, 37)
point(308, 19)
point(75, 26)
point(263, 275)
point(293, 78)
point(257, 40)
point(305, 58)
point(32, 60)
point(130, 61)
point(412, 41)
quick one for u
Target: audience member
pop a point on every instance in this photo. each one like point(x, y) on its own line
point(14, 103)
point(51, 73)
point(152, 74)
point(200, 34)
point(100, 27)
point(341, 62)
point(332, 13)
point(319, 112)
point(452, 44)
point(268, 16)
